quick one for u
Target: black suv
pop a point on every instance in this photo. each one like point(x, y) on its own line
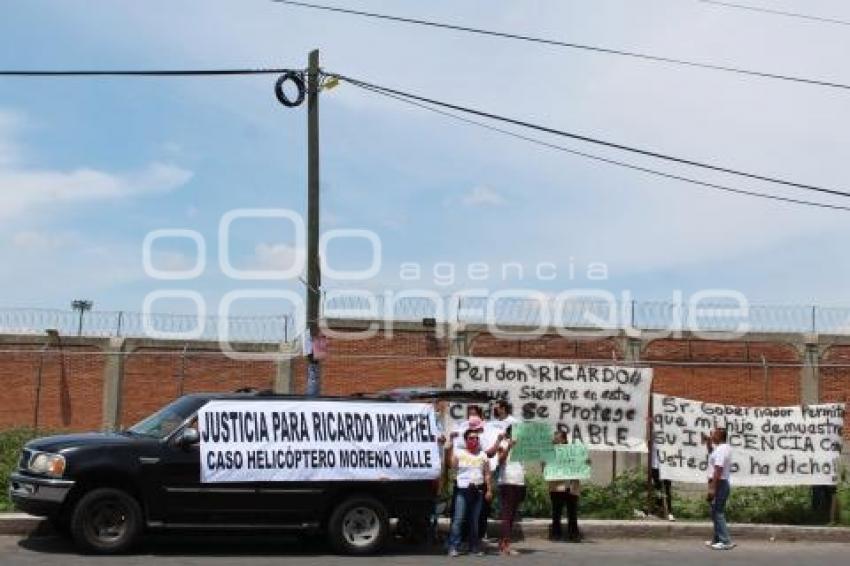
point(106, 489)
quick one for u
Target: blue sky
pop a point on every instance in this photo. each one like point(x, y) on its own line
point(89, 167)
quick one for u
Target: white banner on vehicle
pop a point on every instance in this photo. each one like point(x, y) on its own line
point(289, 440)
point(605, 407)
point(798, 445)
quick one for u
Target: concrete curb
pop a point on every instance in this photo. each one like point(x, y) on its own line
point(21, 524)
point(610, 529)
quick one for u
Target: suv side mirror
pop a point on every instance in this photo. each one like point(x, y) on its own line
point(188, 437)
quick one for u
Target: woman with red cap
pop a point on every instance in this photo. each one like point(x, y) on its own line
point(473, 488)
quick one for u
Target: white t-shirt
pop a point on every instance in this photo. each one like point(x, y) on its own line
point(501, 425)
point(487, 438)
point(492, 430)
point(722, 456)
point(511, 473)
point(470, 467)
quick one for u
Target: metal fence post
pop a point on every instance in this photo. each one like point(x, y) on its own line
point(766, 381)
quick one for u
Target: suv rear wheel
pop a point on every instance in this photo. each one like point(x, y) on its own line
point(106, 521)
point(359, 525)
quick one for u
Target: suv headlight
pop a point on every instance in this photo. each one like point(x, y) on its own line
point(47, 464)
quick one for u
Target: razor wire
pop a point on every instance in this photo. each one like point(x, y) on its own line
point(107, 324)
point(537, 312)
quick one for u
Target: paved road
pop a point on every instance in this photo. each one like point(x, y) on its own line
point(187, 551)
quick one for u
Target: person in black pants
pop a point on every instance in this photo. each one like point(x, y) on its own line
point(663, 488)
point(562, 494)
point(558, 497)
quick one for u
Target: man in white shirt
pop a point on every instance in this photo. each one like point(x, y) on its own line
point(719, 468)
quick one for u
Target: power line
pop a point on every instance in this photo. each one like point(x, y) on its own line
point(592, 140)
point(569, 45)
point(776, 12)
point(609, 161)
point(145, 73)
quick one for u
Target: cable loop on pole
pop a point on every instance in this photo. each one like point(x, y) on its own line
point(297, 79)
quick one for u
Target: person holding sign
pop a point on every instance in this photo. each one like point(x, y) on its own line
point(511, 490)
point(456, 442)
point(719, 465)
point(563, 492)
point(473, 488)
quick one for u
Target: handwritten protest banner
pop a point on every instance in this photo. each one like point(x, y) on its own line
point(604, 407)
point(317, 440)
point(570, 462)
point(533, 442)
point(770, 445)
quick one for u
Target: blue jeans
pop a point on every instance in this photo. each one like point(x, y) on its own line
point(718, 512)
point(468, 502)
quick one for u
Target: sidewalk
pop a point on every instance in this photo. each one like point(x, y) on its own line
point(22, 524)
point(613, 529)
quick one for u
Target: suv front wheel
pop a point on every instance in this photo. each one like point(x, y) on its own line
point(359, 525)
point(106, 521)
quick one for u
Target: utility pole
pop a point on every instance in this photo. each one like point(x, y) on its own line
point(314, 280)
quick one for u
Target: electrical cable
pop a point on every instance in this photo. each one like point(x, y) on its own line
point(570, 45)
point(776, 12)
point(588, 139)
point(615, 162)
point(147, 73)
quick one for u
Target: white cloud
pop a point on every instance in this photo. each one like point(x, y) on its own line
point(483, 196)
point(24, 190)
point(172, 261)
point(33, 240)
point(275, 257)
point(42, 254)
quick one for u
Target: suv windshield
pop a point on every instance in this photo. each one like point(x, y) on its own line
point(163, 422)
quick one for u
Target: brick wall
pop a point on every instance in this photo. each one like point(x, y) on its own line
point(155, 376)
point(404, 359)
point(71, 390)
point(72, 398)
point(731, 373)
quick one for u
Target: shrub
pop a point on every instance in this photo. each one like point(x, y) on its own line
point(11, 442)
point(844, 503)
point(536, 502)
point(619, 500)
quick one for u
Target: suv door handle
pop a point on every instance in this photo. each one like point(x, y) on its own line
point(149, 460)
